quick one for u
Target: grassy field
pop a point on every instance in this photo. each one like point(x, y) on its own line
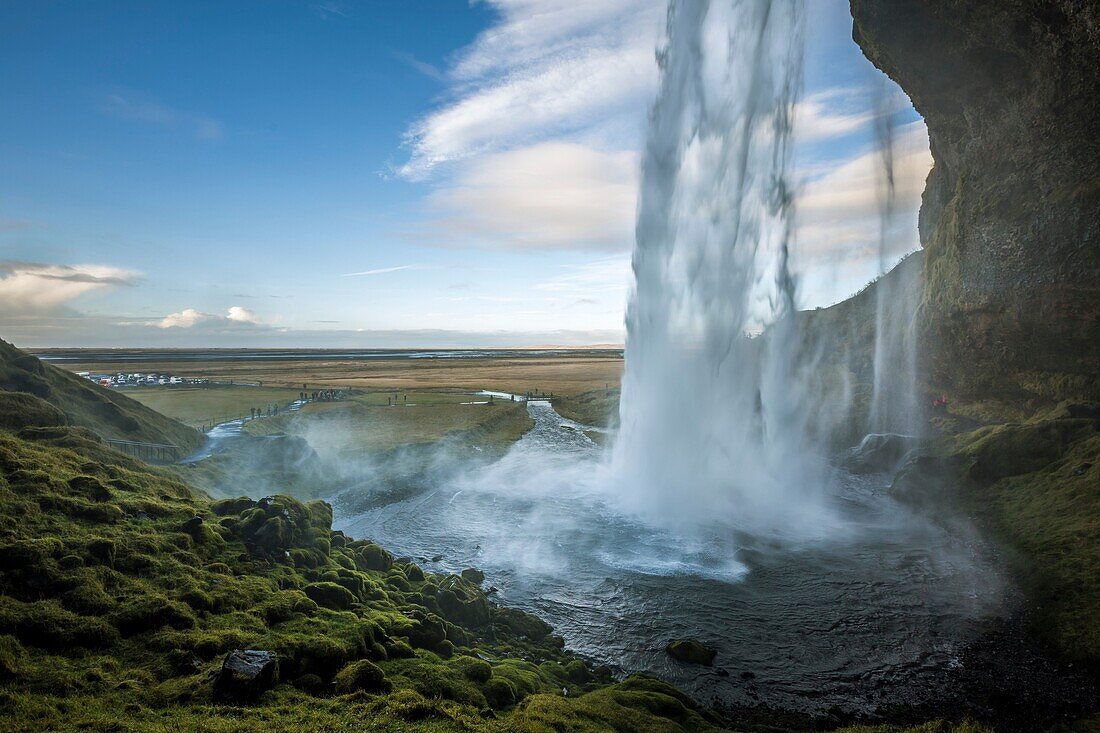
point(569, 374)
point(211, 404)
point(367, 423)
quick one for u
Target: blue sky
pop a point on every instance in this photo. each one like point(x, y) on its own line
point(368, 174)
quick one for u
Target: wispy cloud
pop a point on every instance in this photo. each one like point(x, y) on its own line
point(381, 271)
point(549, 68)
point(605, 275)
point(142, 109)
point(329, 9)
point(428, 70)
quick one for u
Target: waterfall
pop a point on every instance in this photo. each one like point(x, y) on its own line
point(894, 399)
point(712, 428)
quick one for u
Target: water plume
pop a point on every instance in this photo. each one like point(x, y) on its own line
point(712, 424)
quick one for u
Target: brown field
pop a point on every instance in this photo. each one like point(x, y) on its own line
point(564, 375)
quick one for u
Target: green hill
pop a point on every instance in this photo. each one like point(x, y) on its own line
point(76, 401)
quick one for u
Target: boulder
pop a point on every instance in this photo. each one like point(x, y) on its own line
point(691, 651)
point(329, 595)
point(362, 675)
point(473, 575)
point(879, 452)
point(245, 675)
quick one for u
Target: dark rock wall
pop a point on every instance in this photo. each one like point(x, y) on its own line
point(1010, 221)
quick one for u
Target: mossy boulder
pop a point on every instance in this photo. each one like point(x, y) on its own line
point(362, 675)
point(226, 507)
point(691, 651)
point(427, 631)
point(329, 595)
point(151, 612)
point(521, 623)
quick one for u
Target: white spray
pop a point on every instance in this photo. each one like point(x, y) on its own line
point(712, 430)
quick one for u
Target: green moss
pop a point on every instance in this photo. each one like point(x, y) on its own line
point(1033, 484)
point(329, 595)
point(362, 675)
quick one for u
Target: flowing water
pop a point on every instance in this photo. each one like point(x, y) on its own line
point(713, 420)
point(875, 613)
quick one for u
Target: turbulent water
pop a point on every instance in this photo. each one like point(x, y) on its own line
point(712, 424)
point(874, 614)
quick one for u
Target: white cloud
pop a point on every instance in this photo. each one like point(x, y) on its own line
point(186, 318)
point(190, 318)
point(28, 287)
point(551, 195)
point(239, 314)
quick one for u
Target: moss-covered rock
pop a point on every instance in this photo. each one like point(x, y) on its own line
point(329, 595)
point(691, 651)
point(362, 675)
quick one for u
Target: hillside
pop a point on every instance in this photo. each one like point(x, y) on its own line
point(80, 403)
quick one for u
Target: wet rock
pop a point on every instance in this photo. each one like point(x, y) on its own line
point(521, 623)
point(473, 575)
point(691, 651)
point(192, 525)
point(879, 452)
point(245, 675)
point(927, 480)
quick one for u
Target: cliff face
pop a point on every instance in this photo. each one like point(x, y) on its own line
point(1010, 221)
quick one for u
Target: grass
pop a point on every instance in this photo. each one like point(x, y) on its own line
point(366, 423)
point(1035, 485)
point(209, 404)
point(598, 408)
